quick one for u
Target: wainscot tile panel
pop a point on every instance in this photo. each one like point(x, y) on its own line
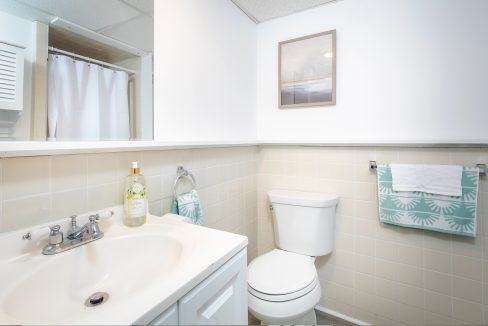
point(379, 274)
point(383, 274)
point(44, 188)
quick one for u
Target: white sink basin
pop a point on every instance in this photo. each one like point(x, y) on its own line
point(140, 268)
point(119, 266)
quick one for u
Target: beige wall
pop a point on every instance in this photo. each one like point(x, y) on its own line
point(379, 274)
point(44, 188)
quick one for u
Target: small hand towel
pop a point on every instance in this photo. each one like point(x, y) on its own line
point(174, 207)
point(188, 204)
point(433, 179)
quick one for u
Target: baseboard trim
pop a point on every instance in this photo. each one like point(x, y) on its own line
point(340, 316)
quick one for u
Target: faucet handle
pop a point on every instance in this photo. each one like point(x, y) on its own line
point(94, 229)
point(36, 234)
point(103, 214)
point(55, 236)
point(55, 228)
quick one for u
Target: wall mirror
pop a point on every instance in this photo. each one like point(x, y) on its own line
point(76, 70)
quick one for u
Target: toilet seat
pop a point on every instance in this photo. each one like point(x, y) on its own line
point(281, 276)
point(283, 297)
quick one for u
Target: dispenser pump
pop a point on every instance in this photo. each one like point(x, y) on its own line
point(135, 168)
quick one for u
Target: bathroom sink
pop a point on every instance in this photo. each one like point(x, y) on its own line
point(119, 266)
point(139, 268)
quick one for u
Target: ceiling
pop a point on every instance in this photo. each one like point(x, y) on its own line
point(129, 21)
point(132, 21)
point(262, 10)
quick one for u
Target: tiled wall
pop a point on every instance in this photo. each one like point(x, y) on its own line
point(44, 188)
point(380, 274)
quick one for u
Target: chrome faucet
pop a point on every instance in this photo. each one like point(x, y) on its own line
point(74, 226)
point(76, 236)
point(91, 228)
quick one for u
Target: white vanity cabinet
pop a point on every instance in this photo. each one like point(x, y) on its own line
point(169, 317)
point(221, 299)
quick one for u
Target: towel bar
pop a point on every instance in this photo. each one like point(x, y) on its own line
point(481, 167)
point(182, 173)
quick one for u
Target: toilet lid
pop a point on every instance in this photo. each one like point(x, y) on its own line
point(281, 272)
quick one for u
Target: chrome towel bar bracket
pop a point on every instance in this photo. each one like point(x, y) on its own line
point(481, 167)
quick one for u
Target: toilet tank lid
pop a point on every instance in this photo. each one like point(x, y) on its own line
point(302, 198)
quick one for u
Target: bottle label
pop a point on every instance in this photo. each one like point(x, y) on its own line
point(136, 200)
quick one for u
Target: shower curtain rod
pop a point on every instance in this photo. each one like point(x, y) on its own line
point(106, 64)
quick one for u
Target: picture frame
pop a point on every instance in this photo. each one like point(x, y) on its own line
point(307, 71)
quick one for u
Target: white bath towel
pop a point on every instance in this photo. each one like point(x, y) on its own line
point(433, 179)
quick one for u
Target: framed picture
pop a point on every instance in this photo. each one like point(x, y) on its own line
point(307, 71)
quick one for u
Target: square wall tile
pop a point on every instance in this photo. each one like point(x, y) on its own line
point(437, 282)
point(438, 303)
point(437, 261)
point(68, 172)
point(25, 176)
point(25, 212)
point(102, 168)
point(411, 295)
point(65, 204)
point(468, 312)
point(468, 267)
point(467, 289)
point(411, 315)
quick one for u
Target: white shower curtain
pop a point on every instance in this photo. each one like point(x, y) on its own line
point(86, 101)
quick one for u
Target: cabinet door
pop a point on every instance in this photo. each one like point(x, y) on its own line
point(221, 299)
point(169, 317)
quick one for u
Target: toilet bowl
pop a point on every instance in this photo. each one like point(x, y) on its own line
point(283, 287)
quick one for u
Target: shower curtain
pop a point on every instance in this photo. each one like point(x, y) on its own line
point(86, 101)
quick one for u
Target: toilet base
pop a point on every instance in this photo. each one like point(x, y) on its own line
point(309, 319)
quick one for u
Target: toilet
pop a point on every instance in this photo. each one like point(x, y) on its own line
point(283, 287)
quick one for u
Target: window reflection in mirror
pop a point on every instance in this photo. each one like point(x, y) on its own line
point(76, 70)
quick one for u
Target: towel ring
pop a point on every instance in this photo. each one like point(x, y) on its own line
point(180, 174)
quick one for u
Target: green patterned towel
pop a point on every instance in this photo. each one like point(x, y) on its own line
point(453, 215)
point(188, 205)
point(174, 207)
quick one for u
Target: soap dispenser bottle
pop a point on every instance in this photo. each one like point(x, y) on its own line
point(135, 203)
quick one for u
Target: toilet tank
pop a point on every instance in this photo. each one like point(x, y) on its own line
point(304, 222)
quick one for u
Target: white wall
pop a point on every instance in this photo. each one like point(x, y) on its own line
point(407, 70)
point(205, 71)
point(19, 32)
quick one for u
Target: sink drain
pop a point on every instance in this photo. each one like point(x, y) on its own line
point(96, 299)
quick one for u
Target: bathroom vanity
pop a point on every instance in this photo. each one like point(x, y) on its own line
point(163, 273)
point(221, 299)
